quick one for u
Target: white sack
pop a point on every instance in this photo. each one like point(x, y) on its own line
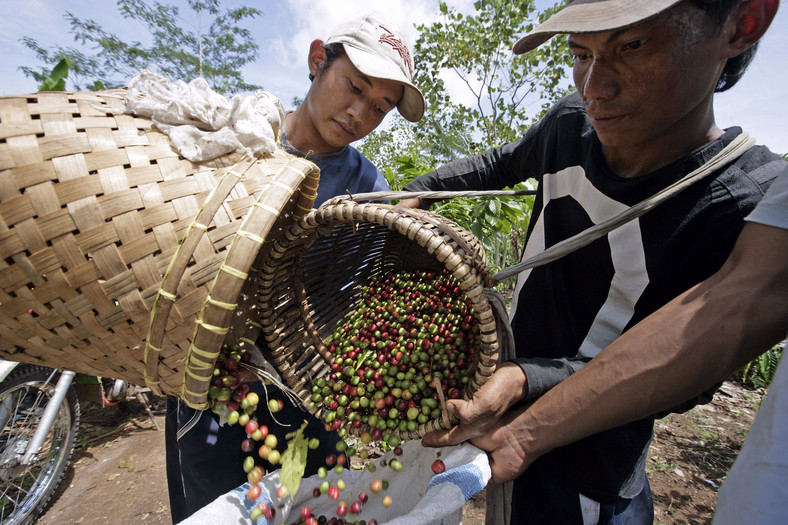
point(203, 124)
point(419, 496)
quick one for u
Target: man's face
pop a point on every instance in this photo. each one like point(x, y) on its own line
point(345, 105)
point(649, 84)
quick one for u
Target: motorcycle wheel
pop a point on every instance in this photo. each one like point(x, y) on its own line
point(26, 490)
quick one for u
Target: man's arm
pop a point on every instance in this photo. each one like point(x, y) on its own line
point(687, 346)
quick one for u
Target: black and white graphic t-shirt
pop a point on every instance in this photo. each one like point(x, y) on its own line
point(564, 313)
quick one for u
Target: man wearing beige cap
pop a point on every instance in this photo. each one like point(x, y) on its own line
point(359, 74)
point(642, 118)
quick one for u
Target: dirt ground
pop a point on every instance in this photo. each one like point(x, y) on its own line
point(117, 474)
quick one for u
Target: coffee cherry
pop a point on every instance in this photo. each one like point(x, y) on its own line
point(251, 427)
point(256, 513)
point(256, 474)
point(247, 445)
point(438, 466)
point(271, 441)
point(254, 492)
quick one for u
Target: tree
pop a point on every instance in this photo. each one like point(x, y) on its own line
point(216, 52)
point(508, 93)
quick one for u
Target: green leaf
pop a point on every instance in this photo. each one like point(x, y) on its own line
point(294, 460)
point(56, 81)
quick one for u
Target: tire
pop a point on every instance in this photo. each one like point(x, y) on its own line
point(26, 490)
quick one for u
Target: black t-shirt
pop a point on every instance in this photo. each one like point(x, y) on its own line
point(564, 313)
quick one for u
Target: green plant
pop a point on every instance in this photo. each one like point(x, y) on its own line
point(760, 371)
point(56, 81)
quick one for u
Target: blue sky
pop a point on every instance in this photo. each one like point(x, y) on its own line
point(757, 103)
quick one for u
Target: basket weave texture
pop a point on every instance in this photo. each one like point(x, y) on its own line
point(119, 257)
point(314, 274)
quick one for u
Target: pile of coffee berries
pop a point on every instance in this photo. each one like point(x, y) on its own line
point(410, 334)
point(226, 389)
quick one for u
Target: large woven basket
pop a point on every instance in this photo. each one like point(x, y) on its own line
point(119, 257)
point(314, 274)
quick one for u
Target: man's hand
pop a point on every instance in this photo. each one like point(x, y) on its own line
point(506, 447)
point(413, 202)
point(479, 415)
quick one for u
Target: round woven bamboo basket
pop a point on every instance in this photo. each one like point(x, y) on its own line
point(119, 257)
point(314, 273)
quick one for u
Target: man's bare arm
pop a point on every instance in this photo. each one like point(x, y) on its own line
point(690, 344)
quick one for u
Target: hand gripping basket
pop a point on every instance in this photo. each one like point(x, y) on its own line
point(314, 272)
point(119, 257)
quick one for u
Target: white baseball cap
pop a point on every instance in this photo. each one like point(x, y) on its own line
point(592, 16)
point(378, 49)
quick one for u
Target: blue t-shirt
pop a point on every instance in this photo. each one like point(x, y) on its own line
point(343, 171)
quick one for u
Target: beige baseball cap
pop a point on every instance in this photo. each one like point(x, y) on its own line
point(378, 49)
point(592, 16)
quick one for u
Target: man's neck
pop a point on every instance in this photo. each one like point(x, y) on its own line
point(637, 161)
point(302, 134)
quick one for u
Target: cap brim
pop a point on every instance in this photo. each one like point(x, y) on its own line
point(585, 16)
point(411, 106)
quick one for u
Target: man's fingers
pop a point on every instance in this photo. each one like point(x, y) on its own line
point(445, 438)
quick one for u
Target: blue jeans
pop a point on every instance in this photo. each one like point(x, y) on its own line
point(205, 461)
point(539, 498)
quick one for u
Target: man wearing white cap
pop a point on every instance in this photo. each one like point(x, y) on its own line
point(642, 118)
point(359, 74)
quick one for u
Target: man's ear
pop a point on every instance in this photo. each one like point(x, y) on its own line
point(317, 56)
point(749, 22)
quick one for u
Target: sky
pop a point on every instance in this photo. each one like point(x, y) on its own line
point(287, 27)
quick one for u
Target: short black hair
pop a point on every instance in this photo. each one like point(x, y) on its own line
point(719, 11)
point(333, 51)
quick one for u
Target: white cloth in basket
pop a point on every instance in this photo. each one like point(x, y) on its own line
point(203, 124)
